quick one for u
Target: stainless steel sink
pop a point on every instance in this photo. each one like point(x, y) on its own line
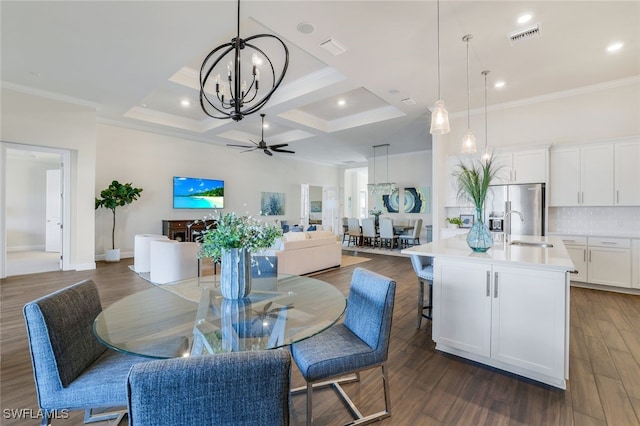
point(530, 244)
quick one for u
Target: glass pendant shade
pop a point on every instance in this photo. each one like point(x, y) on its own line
point(439, 119)
point(469, 143)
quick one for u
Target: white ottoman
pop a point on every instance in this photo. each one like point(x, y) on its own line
point(171, 260)
point(141, 251)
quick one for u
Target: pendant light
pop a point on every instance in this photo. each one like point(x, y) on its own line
point(231, 96)
point(382, 188)
point(469, 140)
point(439, 116)
point(487, 153)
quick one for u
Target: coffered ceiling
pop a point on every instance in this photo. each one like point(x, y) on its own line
point(136, 61)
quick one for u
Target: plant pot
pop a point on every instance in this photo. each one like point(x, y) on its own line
point(112, 255)
point(235, 274)
point(452, 226)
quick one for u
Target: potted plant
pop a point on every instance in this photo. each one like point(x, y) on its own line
point(114, 196)
point(474, 179)
point(230, 240)
point(454, 222)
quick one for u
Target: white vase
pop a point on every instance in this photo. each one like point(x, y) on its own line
point(112, 255)
point(235, 274)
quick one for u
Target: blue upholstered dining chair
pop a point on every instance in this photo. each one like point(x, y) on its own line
point(361, 342)
point(233, 388)
point(72, 370)
point(423, 267)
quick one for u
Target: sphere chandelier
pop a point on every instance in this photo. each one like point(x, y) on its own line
point(230, 96)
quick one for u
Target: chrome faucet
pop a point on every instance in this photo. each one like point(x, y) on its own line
point(507, 232)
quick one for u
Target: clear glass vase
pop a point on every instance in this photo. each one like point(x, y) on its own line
point(479, 237)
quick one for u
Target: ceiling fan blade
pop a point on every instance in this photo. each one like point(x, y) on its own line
point(280, 145)
point(282, 150)
point(241, 146)
point(269, 153)
point(249, 150)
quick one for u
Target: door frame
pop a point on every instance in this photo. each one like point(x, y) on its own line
point(65, 159)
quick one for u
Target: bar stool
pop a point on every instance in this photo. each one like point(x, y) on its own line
point(423, 266)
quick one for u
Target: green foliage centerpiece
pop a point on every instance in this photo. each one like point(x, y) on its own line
point(230, 240)
point(474, 179)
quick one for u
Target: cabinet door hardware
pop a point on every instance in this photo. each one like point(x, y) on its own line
point(488, 284)
point(495, 286)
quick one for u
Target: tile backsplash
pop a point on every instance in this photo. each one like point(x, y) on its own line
point(603, 220)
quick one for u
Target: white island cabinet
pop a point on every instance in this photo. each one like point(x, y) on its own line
point(507, 308)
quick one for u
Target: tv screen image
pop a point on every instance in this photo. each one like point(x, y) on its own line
point(197, 193)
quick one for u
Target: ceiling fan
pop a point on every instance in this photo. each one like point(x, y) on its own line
point(263, 145)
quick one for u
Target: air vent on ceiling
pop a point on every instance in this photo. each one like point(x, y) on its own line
point(333, 46)
point(524, 34)
point(408, 101)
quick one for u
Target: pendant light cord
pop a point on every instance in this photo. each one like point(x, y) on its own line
point(486, 121)
point(467, 37)
point(438, 38)
point(238, 26)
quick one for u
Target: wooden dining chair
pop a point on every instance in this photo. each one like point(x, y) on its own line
point(369, 234)
point(414, 237)
point(355, 232)
point(387, 237)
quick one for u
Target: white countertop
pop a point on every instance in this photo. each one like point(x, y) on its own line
point(597, 233)
point(552, 258)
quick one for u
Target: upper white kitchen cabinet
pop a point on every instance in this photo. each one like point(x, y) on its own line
point(528, 166)
point(582, 176)
point(627, 173)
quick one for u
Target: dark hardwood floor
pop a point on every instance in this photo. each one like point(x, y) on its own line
point(427, 387)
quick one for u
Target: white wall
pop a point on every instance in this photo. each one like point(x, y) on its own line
point(33, 120)
point(149, 161)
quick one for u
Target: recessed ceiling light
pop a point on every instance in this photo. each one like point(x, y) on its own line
point(185, 102)
point(306, 27)
point(524, 19)
point(342, 102)
point(614, 47)
point(499, 84)
point(265, 126)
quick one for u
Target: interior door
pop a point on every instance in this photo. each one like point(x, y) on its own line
point(330, 211)
point(53, 228)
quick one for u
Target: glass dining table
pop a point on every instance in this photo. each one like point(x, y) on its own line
point(190, 317)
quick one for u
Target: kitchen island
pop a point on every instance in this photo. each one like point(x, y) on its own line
point(507, 308)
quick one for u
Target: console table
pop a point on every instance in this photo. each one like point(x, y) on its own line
point(183, 230)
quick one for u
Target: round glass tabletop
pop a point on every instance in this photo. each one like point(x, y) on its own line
point(190, 317)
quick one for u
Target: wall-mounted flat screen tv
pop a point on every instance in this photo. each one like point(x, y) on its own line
point(197, 193)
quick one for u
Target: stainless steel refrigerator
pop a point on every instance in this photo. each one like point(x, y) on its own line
point(527, 199)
